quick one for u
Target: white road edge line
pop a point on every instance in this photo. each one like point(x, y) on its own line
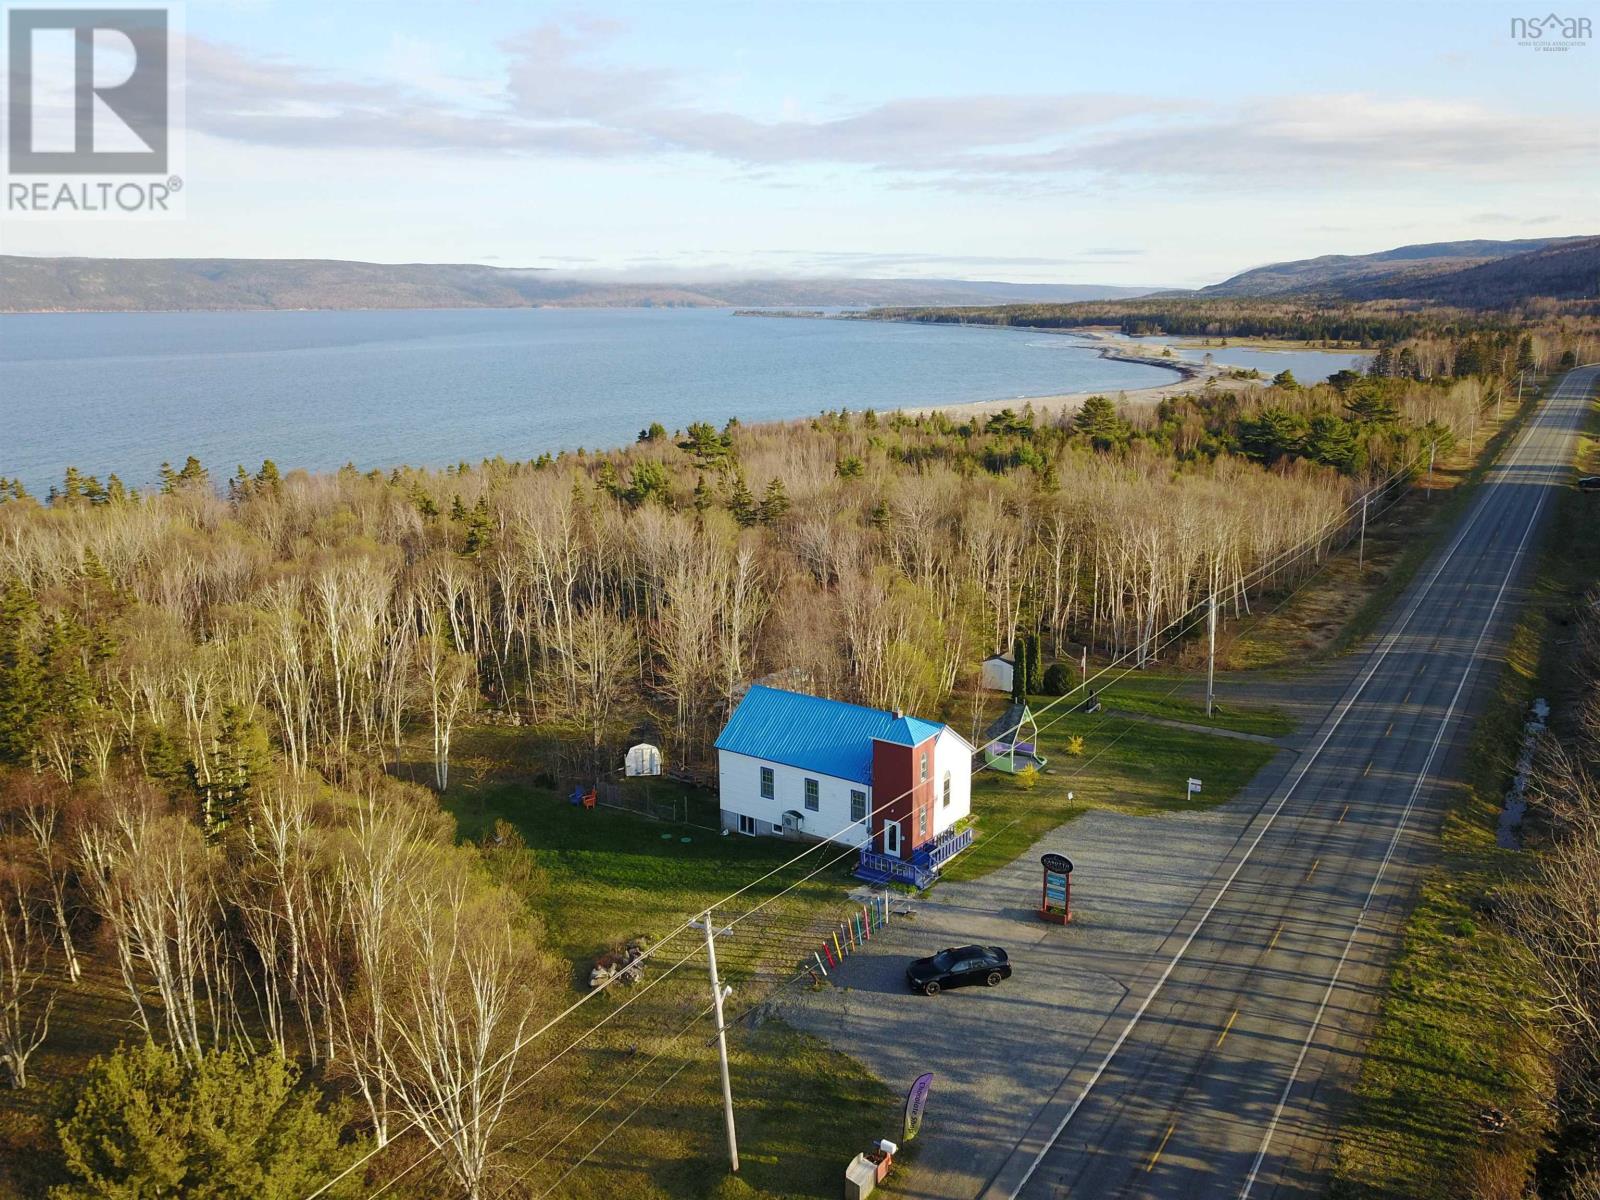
point(1394, 841)
point(1305, 765)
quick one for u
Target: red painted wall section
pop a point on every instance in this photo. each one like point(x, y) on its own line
point(900, 793)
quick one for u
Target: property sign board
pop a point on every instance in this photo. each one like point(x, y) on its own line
point(1056, 900)
point(916, 1101)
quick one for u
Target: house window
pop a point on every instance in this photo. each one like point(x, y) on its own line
point(924, 766)
point(747, 825)
point(813, 799)
point(767, 788)
point(858, 805)
point(947, 789)
point(922, 822)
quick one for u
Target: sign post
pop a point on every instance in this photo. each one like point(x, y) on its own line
point(1194, 787)
point(1055, 902)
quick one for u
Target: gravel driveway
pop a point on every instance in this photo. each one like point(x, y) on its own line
point(998, 1054)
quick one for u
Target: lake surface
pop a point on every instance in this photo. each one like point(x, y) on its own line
point(123, 392)
point(1308, 366)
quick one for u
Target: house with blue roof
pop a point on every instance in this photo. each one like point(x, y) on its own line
point(799, 766)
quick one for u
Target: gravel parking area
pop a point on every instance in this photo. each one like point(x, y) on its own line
point(999, 1054)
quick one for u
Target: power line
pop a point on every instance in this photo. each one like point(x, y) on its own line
point(1238, 587)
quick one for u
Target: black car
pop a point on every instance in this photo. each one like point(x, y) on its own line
point(1589, 483)
point(957, 967)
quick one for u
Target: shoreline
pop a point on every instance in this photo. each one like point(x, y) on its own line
point(1192, 376)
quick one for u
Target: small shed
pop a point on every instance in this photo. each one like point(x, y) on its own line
point(643, 759)
point(997, 673)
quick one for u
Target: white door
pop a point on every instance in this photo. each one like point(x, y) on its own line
point(891, 838)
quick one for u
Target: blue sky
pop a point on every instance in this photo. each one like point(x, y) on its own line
point(1134, 143)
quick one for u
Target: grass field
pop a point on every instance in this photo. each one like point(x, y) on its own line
point(1458, 1033)
point(1127, 765)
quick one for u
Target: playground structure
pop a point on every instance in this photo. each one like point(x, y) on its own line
point(1012, 742)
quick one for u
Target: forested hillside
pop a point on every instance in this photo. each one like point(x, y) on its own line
point(168, 284)
point(1387, 272)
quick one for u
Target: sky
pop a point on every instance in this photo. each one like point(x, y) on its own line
point(1133, 143)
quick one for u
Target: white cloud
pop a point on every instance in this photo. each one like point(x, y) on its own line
point(561, 95)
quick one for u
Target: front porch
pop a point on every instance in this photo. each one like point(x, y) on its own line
point(922, 868)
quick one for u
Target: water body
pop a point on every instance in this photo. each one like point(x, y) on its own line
point(123, 392)
point(1308, 366)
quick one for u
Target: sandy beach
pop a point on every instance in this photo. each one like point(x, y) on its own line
point(1192, 376)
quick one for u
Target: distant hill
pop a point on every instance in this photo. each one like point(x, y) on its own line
point(1564, 271)
point(154, 284)
point(1401, 272)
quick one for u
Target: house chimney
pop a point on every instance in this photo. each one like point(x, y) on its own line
point(898, 715)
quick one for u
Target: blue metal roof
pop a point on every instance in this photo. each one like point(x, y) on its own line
point(811, 733)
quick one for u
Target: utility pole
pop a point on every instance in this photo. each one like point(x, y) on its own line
point(1211, 654)
point(717, 997)
point(1432, 446)
point(1361, 552)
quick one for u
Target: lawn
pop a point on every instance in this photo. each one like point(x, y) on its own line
point(1128, 765)
point(1174, 697)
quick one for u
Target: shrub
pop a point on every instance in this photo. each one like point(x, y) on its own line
point(1027, 777)
point(1057, 679)
point(1075, 746)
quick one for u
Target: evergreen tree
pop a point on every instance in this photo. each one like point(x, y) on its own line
point(1286, 381)
point(649, 481)
point(480, 528)
point(231, 769)
point(232, 1125)
point(1371, 405)
point(742, 504)
point(774, 502)
point(1331, 441)
point(21, 674)
point(1274, 434)
point(702, 494)
point(1098, 421)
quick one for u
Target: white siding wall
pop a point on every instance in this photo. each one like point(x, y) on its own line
point(951, 754)
point(739, 786)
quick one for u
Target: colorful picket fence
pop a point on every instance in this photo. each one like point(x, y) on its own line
point(854, 932)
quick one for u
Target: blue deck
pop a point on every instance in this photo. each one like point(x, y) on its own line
point(921, 869)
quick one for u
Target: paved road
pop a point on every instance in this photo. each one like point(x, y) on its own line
point(1215, 1075)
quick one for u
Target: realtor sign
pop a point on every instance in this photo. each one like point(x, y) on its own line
point(94, 112)
point(1194, 787)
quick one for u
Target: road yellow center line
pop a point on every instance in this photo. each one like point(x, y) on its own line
point(1368, 771)
point(1156, 1157)
point(1344, 814)
point(1389, 730)
point(1313, 870)
point(1407, 700)
point(1227, 1027)
point(1276, 934)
